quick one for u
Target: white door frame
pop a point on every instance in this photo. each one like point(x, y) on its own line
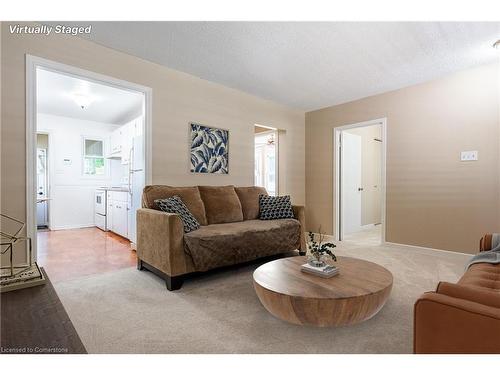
point(337, 230)
point(34, 62)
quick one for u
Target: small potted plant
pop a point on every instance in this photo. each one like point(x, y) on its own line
point(319, 251)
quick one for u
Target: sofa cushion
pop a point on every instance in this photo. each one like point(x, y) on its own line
point(226, 244)
point(470, 293)
point(190, 195)
point(249, 199)
point(272, 208)
point(482, 275)
point(222, 204)
point(175, 205)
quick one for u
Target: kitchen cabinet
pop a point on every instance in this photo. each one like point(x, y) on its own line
point(121, 140)
point(118, 212)
point(115, 143)
point(128, 131)
point(120, 218)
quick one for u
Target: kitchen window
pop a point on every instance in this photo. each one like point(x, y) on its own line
point(93, 157)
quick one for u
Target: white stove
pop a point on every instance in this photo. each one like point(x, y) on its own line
point(100, 209)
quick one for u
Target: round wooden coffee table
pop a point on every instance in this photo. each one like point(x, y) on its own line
point(356, 294)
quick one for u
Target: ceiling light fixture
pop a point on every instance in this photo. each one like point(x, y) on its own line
point(82, 100)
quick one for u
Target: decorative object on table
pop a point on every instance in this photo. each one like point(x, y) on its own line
point(272, 208)
point(22, 275)
point(209, 149)
point(319, 251)
point(325, 271)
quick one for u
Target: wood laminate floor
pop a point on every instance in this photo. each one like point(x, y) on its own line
point(73, 253)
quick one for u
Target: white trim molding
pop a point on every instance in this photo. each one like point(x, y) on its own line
point(32, 64)
point(395, 244)
point(402, 245)
point(80, 226)
point(337, 230)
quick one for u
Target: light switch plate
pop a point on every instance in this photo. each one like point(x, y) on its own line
point(468, 156)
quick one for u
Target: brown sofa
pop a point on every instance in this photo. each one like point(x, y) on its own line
point(462, 317)
point(230, 231)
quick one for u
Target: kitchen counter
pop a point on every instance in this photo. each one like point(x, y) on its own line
point(113, 189)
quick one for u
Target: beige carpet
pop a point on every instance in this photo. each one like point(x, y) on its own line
point(131, 311)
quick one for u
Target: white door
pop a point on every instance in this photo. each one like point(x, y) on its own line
point(351, 188)
point(41, 176)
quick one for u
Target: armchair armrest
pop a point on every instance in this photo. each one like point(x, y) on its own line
point(160, 241)
point(489, 241)
point(300, 214)
point(446, 324)
point(484, 297)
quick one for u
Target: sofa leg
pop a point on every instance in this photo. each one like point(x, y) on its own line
point(139, 264)
point(174, 282)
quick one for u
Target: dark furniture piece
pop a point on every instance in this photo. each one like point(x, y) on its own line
point(34, 321)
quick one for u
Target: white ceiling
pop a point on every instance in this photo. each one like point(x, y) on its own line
point(307, 65)
point(55, 96)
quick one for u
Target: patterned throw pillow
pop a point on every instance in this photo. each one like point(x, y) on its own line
point(271, 208)
point(175, 205)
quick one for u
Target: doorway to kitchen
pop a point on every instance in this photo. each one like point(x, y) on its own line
point(359, 155)
point(266, 158)
point(88, 159)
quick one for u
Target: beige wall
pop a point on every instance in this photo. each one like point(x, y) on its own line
point(178, 98)
point(370, 173)
point(433, 199)
point(1, 116)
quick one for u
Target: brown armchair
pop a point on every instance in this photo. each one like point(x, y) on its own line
point(462, 317)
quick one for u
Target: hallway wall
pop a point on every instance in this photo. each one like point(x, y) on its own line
point(433, 199)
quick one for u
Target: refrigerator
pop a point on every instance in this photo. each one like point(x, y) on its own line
point(136, 180)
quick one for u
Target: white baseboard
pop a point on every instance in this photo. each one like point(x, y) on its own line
point(395, 244)
point(79, 226)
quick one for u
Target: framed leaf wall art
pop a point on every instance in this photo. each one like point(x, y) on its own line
point(209, 149)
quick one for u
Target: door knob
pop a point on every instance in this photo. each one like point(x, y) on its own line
point(360, 189)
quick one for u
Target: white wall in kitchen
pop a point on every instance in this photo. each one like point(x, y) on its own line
point(72, 194)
